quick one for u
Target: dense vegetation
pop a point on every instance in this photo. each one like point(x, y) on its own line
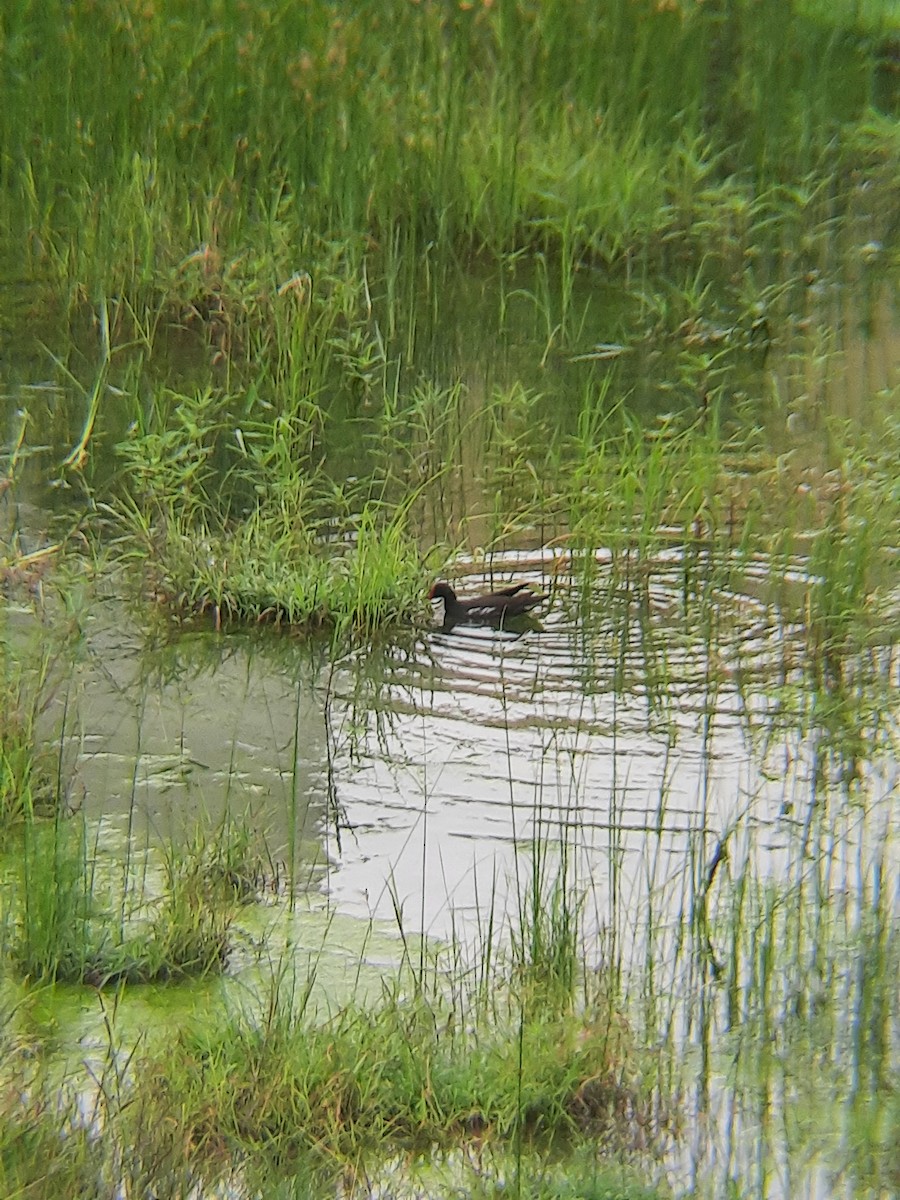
point(330, 292)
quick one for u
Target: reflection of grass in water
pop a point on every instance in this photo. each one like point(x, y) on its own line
point(795, 978)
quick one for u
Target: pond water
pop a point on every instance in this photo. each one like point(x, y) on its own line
point(664, 738)
point(415, 772)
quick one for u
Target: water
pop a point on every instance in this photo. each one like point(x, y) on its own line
point(403, 787)
point(425, 763)
point(660, 728)
point(415, 770)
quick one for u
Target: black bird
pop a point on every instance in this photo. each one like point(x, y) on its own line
point(493, 608)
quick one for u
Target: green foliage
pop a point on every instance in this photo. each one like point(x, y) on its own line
point(271, 204)
point(29, 771)
point(811, 984)
point(851, 557)
point(631, 488)
point(545, 946)
point(44, 1152)
point(17, 767)
point(149, 154)
point(76, 925)
point(291, 1088)
point(276, 541)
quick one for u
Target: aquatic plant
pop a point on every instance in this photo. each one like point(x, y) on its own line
point(44, 1148)
point(32, 779)
point(18, 766)
point(351, 291)
point(370, 1083)
point(411, 126)
point(54, 1137)
point(74, 925)
point(278, 541)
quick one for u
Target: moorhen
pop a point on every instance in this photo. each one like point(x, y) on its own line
point(492, 608)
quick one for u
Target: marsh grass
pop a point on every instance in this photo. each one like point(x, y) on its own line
point(264, 572)
point(529, 1053)
point(545, 940)
point(32, 675)
point(805, 1005)
point(322, 1122)
point(26, 775)
point(851, 561)
point(283, 197)
point(289, 1086)
point(44, 1151)
point(239, 520)
point(447, 129)
point(73, 924)
point(703, 490)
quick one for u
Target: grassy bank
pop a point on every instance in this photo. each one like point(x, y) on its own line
point(224, 152)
